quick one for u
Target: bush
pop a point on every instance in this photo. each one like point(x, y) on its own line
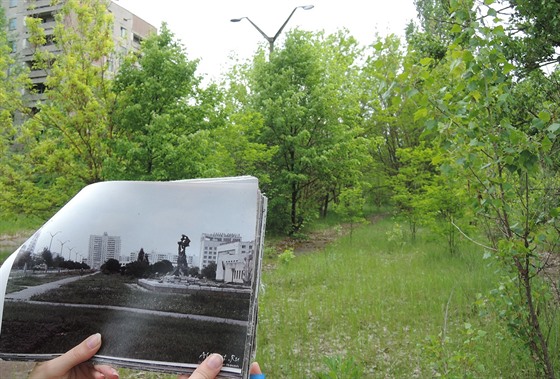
point(286, 256)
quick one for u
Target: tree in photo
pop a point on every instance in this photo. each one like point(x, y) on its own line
point(209, 272)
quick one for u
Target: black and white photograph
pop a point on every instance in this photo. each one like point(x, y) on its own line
point(167, 272)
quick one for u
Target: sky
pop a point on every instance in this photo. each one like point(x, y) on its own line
point(204, 27)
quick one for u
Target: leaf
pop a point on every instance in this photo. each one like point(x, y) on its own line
point(553, 128)
point(420, 113)
point(456, 28)
point(544, 116)
point(426, 61)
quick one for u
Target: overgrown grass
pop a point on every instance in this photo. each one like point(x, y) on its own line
point(398, 309)
point(380, 306)
point(13, 224)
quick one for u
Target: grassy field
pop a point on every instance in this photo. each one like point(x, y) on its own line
point(383, 307)
point(380, 306)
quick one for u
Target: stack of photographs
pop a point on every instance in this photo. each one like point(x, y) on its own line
point(167, 272)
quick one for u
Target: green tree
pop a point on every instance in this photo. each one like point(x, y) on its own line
point(410, 184)
point(166, 125)
point(66, 141)
point(505, 156)
point(350, 207)
point(533, 30)
point(13, 80)
point(305, 95)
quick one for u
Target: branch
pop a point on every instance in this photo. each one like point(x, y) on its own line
point(470, 239)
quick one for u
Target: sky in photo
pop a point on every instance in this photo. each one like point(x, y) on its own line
point(152, 215)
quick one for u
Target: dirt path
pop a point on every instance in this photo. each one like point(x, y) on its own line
point(317, 240)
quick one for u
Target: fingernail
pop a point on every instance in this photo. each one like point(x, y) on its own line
point(215, 361)
point(93, 340)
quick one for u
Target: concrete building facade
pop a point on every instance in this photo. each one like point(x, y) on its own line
point(209, 243)
point(102, 248)
point(235, 262)
point(128, 31)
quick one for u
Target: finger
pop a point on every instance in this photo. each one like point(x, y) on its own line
point(59, 366)
point(255, 368)
point(107, 372)
point(209, 368)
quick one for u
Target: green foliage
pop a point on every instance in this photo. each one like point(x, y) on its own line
point(63, 146)
point(538, 45)
point(396, 237)
point(286, 256)
point(350, 206)
point(158, 108)
point(308, 103)
point(341, 368)
point(456, 357)
point(13, 79)
point(503, 154)
point(360, 298)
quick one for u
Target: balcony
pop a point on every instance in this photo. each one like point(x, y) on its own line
point(41, 6)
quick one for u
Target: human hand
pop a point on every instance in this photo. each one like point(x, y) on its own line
point(73, 364)
point(211, 367)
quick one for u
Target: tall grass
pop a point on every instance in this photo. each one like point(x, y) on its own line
point(386, 307)
point(396, 308)
point(13, 224)
point(17, 228)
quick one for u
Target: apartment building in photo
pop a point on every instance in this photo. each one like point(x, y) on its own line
point(102, 248)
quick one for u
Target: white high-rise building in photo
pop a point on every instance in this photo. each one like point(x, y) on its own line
point(102, 248)
point(209, 243)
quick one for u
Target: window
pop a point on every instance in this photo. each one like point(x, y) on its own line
point(13, 3)
point(123, 31)
point(12, 24)
point(39, 88)
point(136, 38)
point(13, 46)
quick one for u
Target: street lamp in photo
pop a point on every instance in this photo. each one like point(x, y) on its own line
point(70, 253)
point(271, 40)
point(52, 236)
point(62, 247)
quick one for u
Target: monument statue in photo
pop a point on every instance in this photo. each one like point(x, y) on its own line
point(182, 267)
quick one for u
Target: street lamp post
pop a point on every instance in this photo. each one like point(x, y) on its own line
point(52, 236)
point(62, 247)
point(70, 253)
point(271, 40)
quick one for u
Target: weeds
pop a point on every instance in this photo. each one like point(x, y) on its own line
point(341, 368)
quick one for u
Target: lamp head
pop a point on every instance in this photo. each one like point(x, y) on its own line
point(237, 19)
point(307, 7)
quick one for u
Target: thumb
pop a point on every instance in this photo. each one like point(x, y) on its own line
point(210, 368)
point(61, 365)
